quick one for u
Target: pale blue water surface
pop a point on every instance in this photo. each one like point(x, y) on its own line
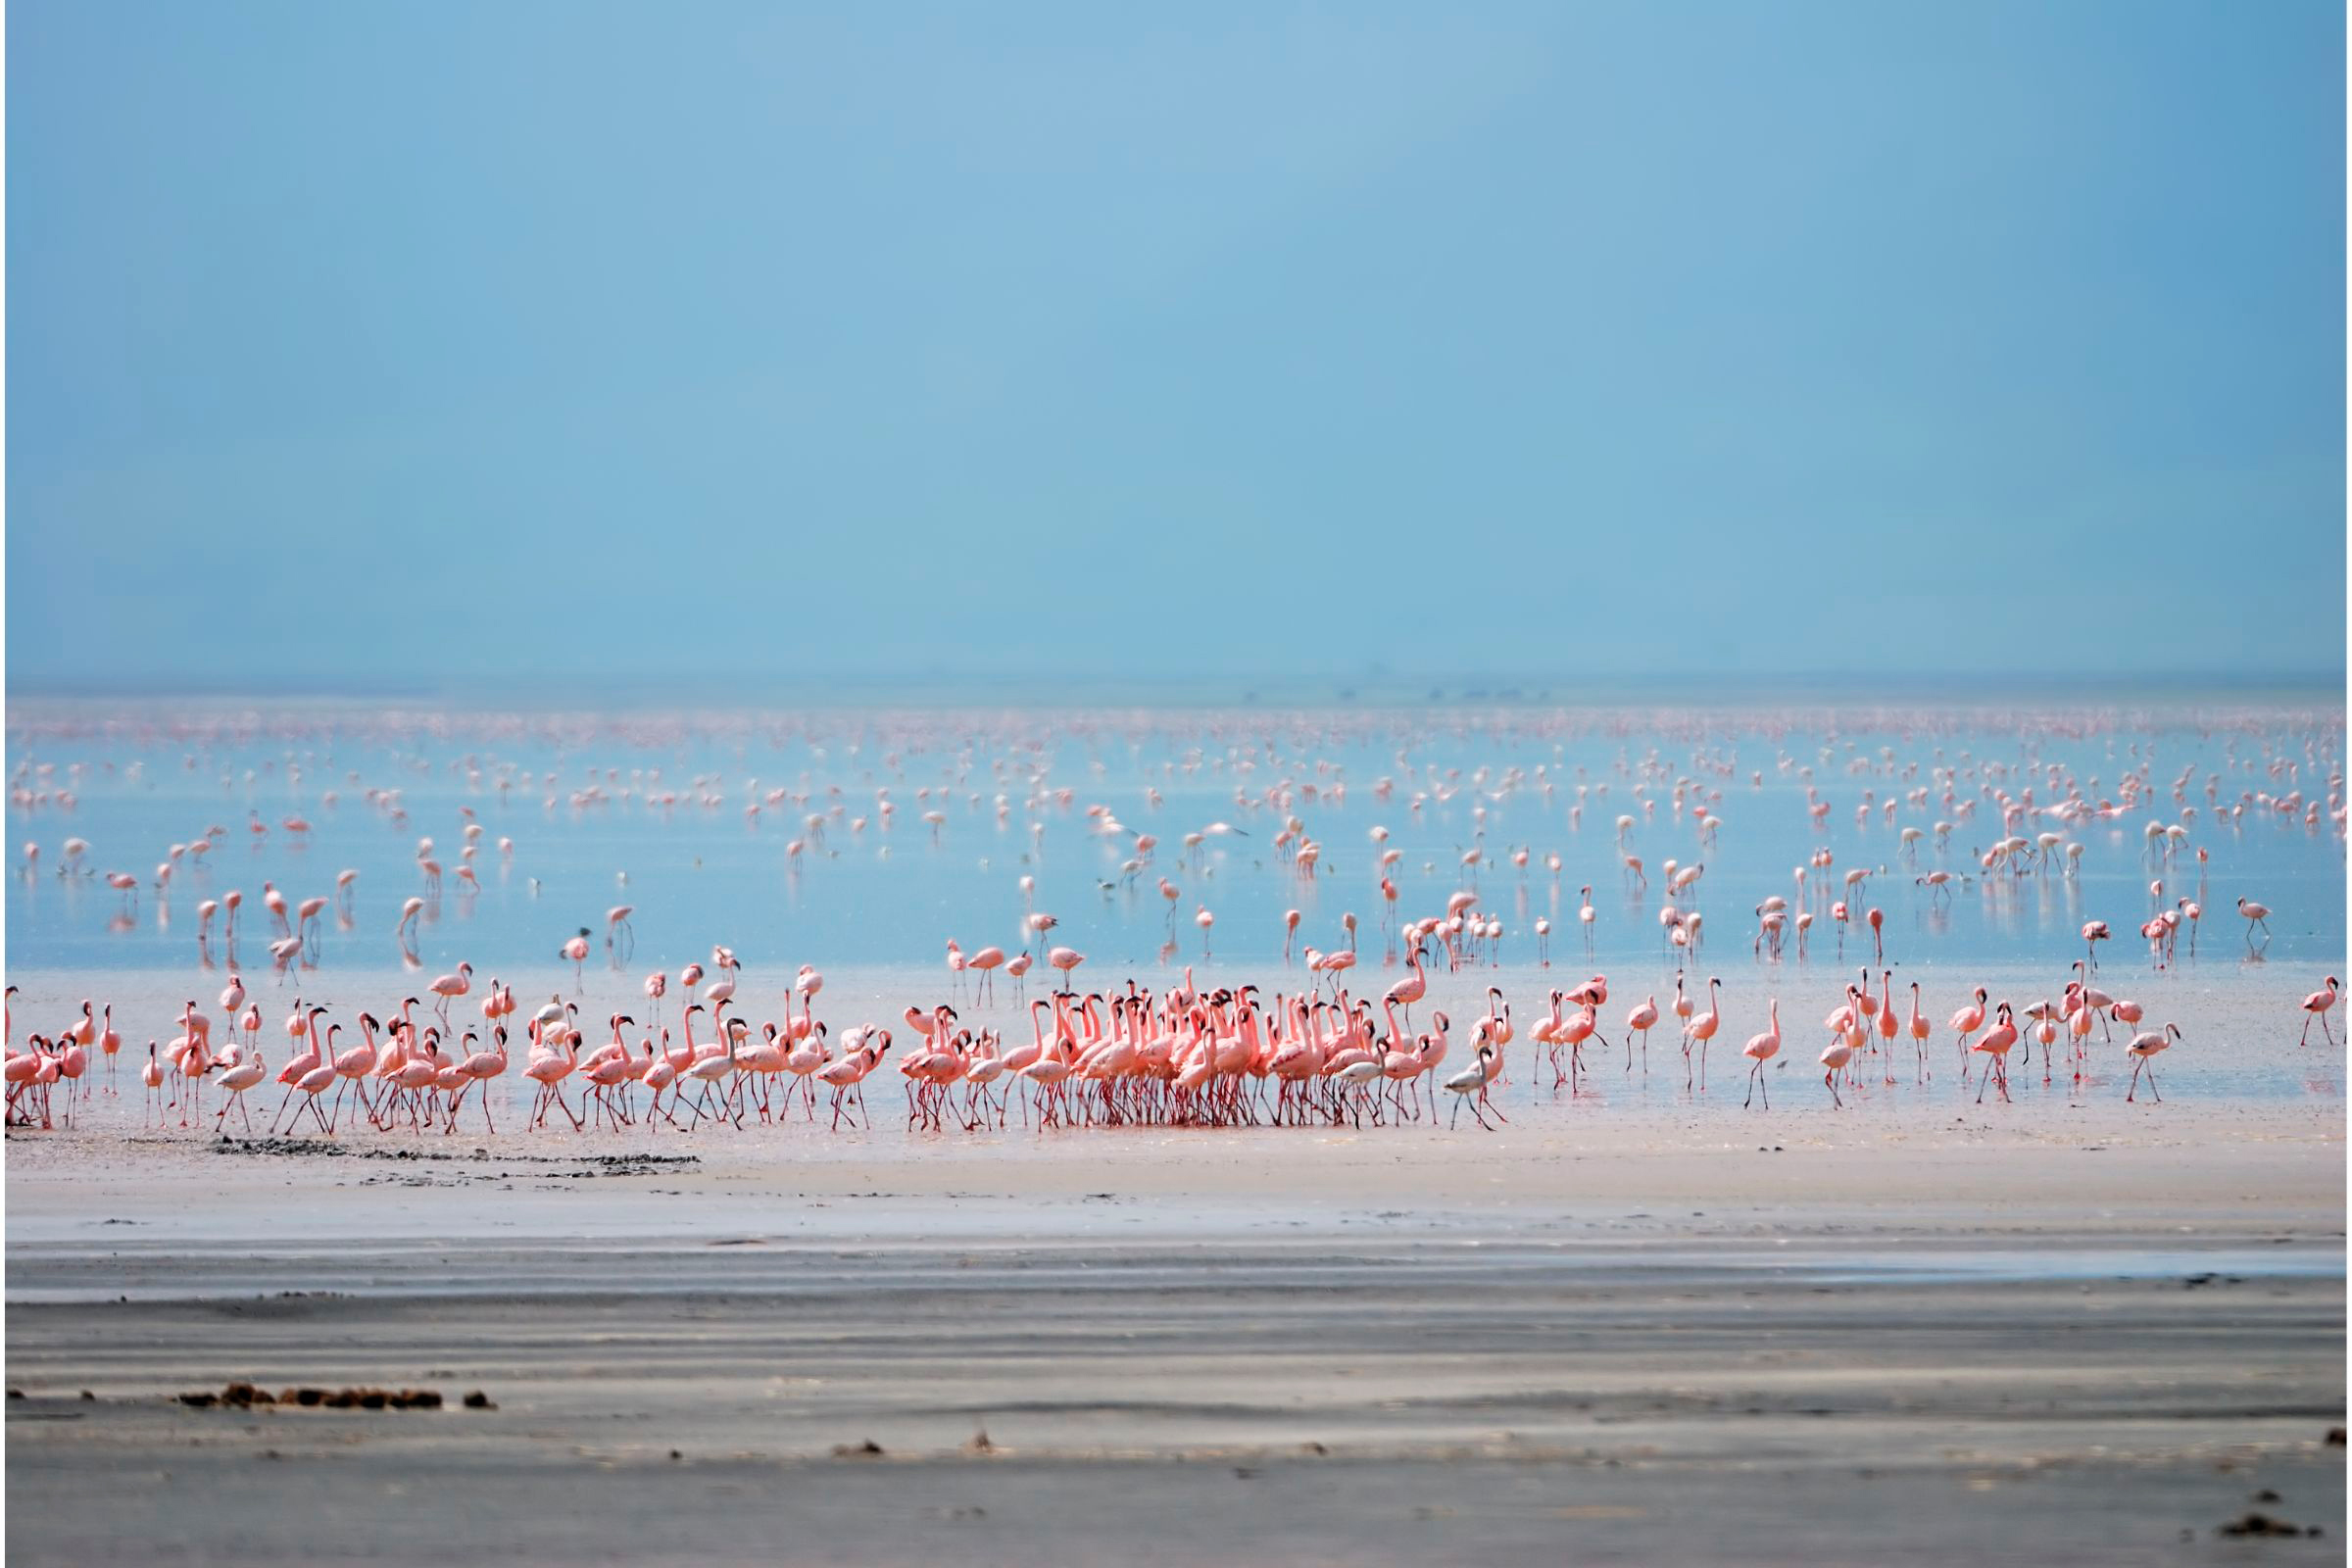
point(657, 812)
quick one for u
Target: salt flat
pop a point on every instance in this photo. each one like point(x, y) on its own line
point(1603, 1343)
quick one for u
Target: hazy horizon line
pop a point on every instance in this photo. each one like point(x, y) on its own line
point(1046, 689)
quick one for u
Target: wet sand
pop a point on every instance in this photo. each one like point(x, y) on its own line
point(1615, 1340)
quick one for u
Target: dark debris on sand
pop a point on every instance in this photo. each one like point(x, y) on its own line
point(225, 1145)
point(2262, 1524)
point(244, 1395)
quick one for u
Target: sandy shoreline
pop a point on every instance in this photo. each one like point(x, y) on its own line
point(1607, 1340)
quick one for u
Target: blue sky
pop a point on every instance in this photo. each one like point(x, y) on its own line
point(352, 344)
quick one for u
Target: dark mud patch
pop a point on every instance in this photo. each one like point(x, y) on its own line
point(573, 1165)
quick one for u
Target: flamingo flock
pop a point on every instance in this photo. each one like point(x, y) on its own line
point(1315, 1046)
point(1179, 1055)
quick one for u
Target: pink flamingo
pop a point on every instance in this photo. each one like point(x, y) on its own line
point(234, 1081)
point(2316, 1005)
point(846, 1076)
point(577, 949)
point(307, 913)
point(110, 1043)
point(483, 1067)
point(314, 1083)
point(2143, 1050)
point(1967, 1021)
point(1888, 1025)
point(1996, 1044)
point(1762, 1047)
point(353, 1066)
point(988, 961)
point(1643, 1019)
point(1701, 1029)
point(304, 1027)
point(151, 1075)
point(1918, 1034)
point(549, 1065)
point(1410, 990)
point(722, 990)
point(450, 986)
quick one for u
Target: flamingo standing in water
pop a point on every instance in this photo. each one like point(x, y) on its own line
point(306, 930)
point(1469, 1086)
point(846, 1076)
point(722, 990)
point(1640, 1021)
point(1761, 1048)
point(353, 1066)
point(988, 961)
point(1919, 1035)
point(554, 1056)
point(2315, 1006)
point(1698, 1031)
point(450, 986)
point(1411, 989)
point(108, 1043)
point(483, 1067)
point(2257, 914)
point(805, 985)
point(301, 1026)
point(1967, 1021)
point(1996, 1044)
point(151, 1074)
point(577, 949)
point(1888, 1025)
point(234, 1081)
point(2143, 1050)
point(316, 1082)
